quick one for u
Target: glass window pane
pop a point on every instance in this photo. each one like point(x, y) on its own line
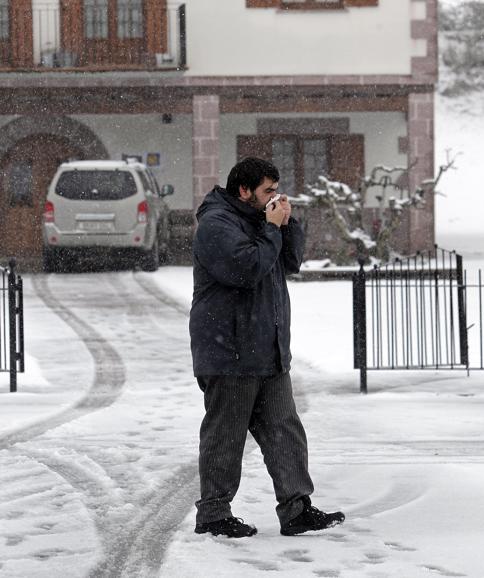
point(130, 19)
point(283, 156)
point(96, 19)
point(315, 160)
point(144, 181)
point(20, 183)
point(4, 20)
point(96, 185)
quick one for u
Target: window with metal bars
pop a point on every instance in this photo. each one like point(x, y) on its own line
point(130, 18)
point(301, 160)
point(96, 19)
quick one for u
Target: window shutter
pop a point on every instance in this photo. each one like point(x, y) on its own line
point(21, 33)
point(312, 4)
point(347, 159)
point(262, 3)
point(308, 4)
point(254, 146)
point(72, 26)
point(357, 3)
point(156, 26)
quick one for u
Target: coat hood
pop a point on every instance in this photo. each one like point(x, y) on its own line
point(218, 199)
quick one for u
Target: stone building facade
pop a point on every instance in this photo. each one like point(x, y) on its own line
point(319, 86)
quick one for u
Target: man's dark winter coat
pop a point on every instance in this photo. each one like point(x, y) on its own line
point(240, 316)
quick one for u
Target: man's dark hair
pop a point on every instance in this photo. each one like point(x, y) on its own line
point(250, 173)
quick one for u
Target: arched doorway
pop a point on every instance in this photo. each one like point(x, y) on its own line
point(26, 170)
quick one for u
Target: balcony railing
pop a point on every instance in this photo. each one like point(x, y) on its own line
point(53, 37)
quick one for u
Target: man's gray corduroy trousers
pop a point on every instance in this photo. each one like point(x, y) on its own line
point(265, 407)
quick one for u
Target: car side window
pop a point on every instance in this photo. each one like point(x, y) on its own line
point(156, 186)
point(144, 181)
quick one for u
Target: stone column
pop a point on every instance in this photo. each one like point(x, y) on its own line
point(205, 145)
point(421, 156)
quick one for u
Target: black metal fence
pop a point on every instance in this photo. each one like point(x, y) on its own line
point(417, 313)
point(11, 324)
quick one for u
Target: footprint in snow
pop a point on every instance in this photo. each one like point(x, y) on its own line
point(400, 547)
point(442, 571)
point(297, 555)
point(14, 515)
point(46, 526)
point(13, 540)
point(336, 537)
point(251, 500)
point(260, 565)
point(47, 554)
point(357, 529)
point(374, 558)
point(327, 573)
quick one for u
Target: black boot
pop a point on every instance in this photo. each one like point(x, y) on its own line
point(230, 527)
point(311, 519)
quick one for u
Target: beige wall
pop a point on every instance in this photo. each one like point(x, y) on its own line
point(142, 133)
point(246, 41)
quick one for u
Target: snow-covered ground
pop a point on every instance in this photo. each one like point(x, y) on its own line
point(406, 463)
point(98, 447)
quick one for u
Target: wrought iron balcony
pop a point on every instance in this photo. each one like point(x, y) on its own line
point(92, 35)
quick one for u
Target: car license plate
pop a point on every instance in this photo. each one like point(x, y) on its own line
point(95, 226)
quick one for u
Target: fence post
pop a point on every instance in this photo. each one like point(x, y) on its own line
point(12, 322)
point(182, 27)
point(461, 303)
point(359, 325)
point(21, 339)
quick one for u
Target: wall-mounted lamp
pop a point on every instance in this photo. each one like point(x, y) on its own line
point(166, 118)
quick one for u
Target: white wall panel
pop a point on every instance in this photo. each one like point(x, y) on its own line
point(143, 133)
point(226, 38)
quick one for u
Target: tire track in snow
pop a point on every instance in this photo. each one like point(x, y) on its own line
point(109, 378)
point(131, 546)
point(136, 546)
point(157, 293)
point(133, 537)
point(138, 549)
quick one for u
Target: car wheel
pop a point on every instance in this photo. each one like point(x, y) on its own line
point(49, 260)
point(151, 258)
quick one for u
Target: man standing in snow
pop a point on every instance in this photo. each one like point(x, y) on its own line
point(240, 333)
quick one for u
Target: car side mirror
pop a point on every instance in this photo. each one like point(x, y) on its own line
point(167, 190)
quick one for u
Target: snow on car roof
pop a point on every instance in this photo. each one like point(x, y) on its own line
point(101, 164)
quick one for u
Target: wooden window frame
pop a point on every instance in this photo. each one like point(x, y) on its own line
point(153, 41)
point(341, 148)
point(310, 5)
point(299, 140)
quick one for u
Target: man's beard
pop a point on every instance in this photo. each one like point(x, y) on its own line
point(253, 202)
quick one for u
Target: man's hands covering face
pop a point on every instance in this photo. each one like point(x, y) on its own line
point(279, 211)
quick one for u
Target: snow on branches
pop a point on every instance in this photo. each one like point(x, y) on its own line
point(390, 195)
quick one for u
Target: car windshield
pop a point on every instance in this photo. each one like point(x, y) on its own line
point(96, 185)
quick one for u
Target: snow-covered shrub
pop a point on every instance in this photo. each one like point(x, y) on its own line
point(347, 211)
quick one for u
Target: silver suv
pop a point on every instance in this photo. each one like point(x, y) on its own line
point(105, 207)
